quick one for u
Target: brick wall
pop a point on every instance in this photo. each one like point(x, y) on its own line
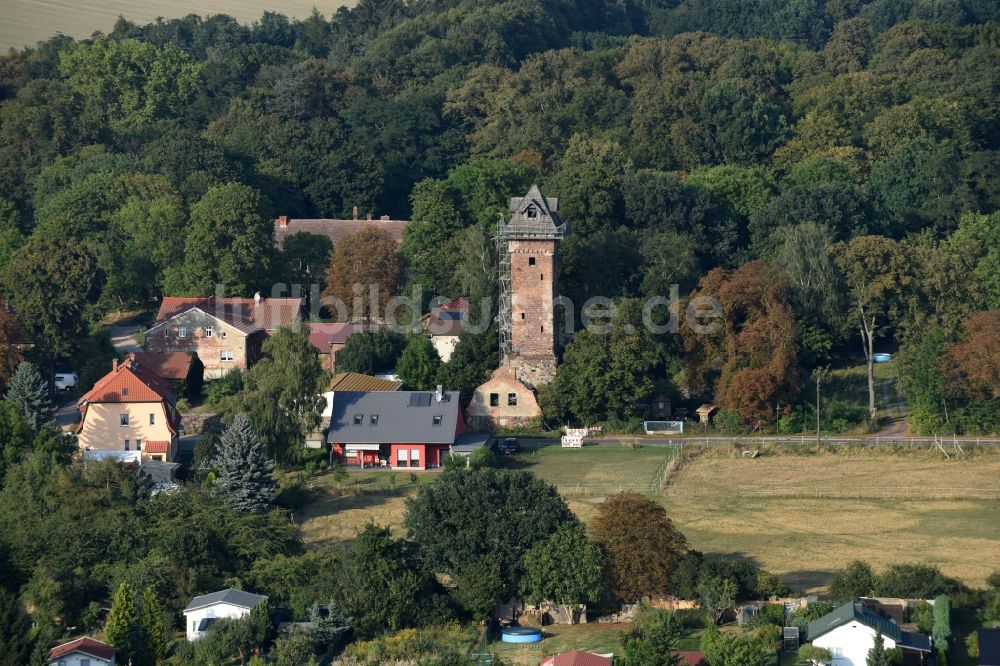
point(245, 348)
point(484, 416)
point(533, 281)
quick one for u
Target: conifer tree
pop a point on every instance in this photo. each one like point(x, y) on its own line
point(244, 480)
point(153, 630)
point(878, 656)
point(122, 628)
point(329, 624)
point(29, 393)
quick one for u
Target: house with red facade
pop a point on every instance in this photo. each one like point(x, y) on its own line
point(394, 429)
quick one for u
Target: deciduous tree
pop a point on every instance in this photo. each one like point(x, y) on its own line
point(419, 363)
point(642, 545)
point(363, 276)
point(567, 568)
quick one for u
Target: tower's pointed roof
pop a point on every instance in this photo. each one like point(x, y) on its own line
point(534, 215)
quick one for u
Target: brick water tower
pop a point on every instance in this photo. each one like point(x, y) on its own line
point(528, 248)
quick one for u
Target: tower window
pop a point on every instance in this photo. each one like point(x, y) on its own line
point(512, 399)
point(541, 277)
point(531, 261)
point(494, 399)
point(541, 329)
point(522, 315)
point(532, 212)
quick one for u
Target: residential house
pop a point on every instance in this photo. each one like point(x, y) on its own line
point(129, 414)
point(502, 401)
point(578, 658)
point(84, 651)
point(394, 429)
point(351, 382)
point(202, 611)
point(989, 647)
point(848, 632)
point(329, 338)
point(691, 658)
point(336, 230)
point(226, 333)
point(444, 323)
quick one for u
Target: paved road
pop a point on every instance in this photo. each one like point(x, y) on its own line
point(122, 338)
point(67, 414)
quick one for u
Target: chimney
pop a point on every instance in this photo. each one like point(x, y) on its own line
point(130, 357)
point(114, 364)
point(439, 393)
point(355, 212)
point(256, 298)
point(282, 221)
point(369, 217)
point(384, 218)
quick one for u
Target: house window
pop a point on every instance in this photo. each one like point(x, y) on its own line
point(437, 419)
point(223, 335)
point(152, 419)
point(373, 420)
point(494, 399)
point(138, 445)
point(837, 652)
point(401, 460)
point(166, 332)
point(532, 213)
point(359, 419)
point(123, 419)
point(182, 332)
point(226, 355)
point(531, 261)
point(512, 399)
point(208, 331)
point(84, 662)
point(127, 445)
point(414, 457)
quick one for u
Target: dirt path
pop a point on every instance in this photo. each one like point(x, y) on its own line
point(895, 423)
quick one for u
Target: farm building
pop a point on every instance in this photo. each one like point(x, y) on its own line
point(394, 429)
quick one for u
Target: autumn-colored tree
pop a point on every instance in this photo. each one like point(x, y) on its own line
point(878, 276)
point(751, 355)
point(365, 267)
point(642, 545)
point(972, 368)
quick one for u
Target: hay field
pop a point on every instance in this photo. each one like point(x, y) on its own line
point(26, 22)
point(805, 515)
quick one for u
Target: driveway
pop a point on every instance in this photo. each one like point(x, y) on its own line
point(67, 414)
point(123, 338)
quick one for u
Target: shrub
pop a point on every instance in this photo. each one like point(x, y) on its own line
point(914, 581)
point(772, 614)
point(922, 616)
point(229, 385)
point(942, 622)
point(730, 423)
point(690, 618)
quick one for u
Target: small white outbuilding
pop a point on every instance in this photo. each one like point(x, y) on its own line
point(203, 610)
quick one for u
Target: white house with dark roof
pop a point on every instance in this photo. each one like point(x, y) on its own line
point(230, 604)
point(848, 632)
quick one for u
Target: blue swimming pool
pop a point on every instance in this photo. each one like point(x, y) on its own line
point(521, 635)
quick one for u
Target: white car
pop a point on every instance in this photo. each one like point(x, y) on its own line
point(65, 380)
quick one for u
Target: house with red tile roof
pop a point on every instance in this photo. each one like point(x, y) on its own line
point(578, 658)
point(130, 414)
point(226, 333)
point(82, 651)
point(444, 323)
point(329, 338)
point(172, 366)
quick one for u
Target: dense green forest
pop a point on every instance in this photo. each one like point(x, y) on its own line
point(832, 167)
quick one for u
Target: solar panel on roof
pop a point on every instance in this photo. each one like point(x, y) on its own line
point(420, 400)
point(414, 400)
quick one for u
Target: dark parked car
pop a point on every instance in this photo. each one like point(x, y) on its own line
point(509, 446)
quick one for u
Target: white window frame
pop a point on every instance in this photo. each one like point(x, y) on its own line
point(208, 331)
point(127, 444)
point(182, 332)
point(123, 420)
point(226, 356)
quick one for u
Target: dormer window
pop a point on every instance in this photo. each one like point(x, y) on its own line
point(359, 419)
point(532, 212)
point(373, 420)
point(437, 419)
point(125, 390)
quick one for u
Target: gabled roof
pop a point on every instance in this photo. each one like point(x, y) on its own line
point(400, 417)
point(322, 335)
point(852, 611)
point(129, 381)
point(355, 381)
point(692, 658)
point(448, 318)
point(230, 596)
point(244, 314)
point(168, 365)
point(157, 447)
point(85, 645)
point(577, 658)
point(336, 230)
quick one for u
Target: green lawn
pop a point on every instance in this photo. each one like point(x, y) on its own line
point(593, 637)
point(597, 469)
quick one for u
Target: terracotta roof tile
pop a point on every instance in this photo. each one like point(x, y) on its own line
point(86, 645)
point(322, 335)
point(157, 447)
point(129, 382)
point(169, 365)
